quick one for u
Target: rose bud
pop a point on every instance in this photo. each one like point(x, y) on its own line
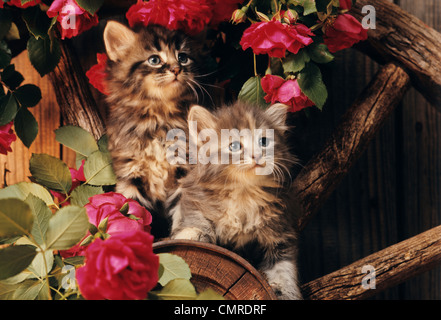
point(239, 15)
point(290, 16)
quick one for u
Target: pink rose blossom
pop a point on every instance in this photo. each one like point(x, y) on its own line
point(77, 178)
point(346, 4)
point(7, 136)
point(108, 205)
point(285, 91)
point(344, 33)
point(122, 267)
point(66, 11)
point(274, 38)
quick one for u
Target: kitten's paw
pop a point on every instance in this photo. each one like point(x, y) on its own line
point(282, 278)
point(284, 293)
point(188, 234)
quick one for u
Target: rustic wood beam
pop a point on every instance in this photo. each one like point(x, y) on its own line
point(387, 268)
point(77, 104)
point(318, 179)
point(400, 36)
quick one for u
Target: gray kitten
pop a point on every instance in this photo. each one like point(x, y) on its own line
point(236, 195)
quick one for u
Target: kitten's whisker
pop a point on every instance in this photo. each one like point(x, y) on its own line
point(205, 74)
point(194, 90)
point(202, 88)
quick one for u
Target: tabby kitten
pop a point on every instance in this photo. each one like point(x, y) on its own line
point(151, 80)
point(233, 205)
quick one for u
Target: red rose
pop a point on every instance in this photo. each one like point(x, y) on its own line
point(7, 136)
point(77, 178)
point(274, 38)
point(223, 10)
point(72, 19)
point(97, 74)
point(122, 267)
point(108, 205)
point(17, 3)
point(191, 16)
point(285, 91)
point(346, 4)
point(344, 33)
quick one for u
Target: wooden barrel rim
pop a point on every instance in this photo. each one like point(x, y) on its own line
point(224, 253)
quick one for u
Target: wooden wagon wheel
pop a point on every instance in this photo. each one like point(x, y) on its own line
point(411, 54)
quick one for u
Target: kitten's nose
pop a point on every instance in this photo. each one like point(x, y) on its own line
point(176, 70)
point(257, 158)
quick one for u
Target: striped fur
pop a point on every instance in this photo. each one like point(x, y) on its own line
point(230, 205)
point(146, 100)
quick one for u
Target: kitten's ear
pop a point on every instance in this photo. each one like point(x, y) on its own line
point(278, 114)
point(118, 39)
point(204, 118)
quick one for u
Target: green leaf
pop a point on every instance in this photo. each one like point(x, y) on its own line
point(28, 95)
point(13, 33)
point(252, 92)
point(14, 259)
point(5, 55)
point(296, 62)
point(210, 294)
point(16, 218)
point(174, 267)
point(77, 139)
point(309, 6)
point(90, 6)
point(98, 169)
point(37, 268)
point(177, 289)
point(67, 227)
point(8, 109)
point(103, 143)
point(319, 53)
point(26, 127)
point(44, 54)
point(42, 215)
point(31, 290)
point(50, 172)
point(311, 83)
point(7, 290)
point(21, 191)
point(74, 261)
point(37, 22)
point(81, 194)
point(11, 77)
point(5, 22)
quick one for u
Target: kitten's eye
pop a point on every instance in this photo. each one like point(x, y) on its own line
point(235, 146)
point(183, 59)
point(154, 60)
point(264, 142)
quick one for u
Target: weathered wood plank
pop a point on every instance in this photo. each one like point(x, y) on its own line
point(48, 116)
point(420, 163)
point(400, 36)
point(72, 90)
point(360, 124)
point(390, 266)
